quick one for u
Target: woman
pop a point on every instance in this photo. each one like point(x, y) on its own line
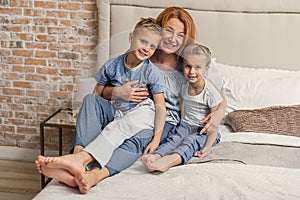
point(178, 31)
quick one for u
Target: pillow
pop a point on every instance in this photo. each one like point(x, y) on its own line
point(284, 120)
point(252, 88)
point(214, 76)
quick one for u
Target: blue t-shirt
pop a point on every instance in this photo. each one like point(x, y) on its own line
point(115, 73)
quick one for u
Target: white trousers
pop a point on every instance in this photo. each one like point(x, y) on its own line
point(121, 128)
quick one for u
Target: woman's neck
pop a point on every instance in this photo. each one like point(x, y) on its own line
point(165, 62)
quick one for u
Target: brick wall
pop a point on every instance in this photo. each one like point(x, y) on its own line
point(45, 46)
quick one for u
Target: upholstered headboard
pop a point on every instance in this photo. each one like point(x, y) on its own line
point(254, 33)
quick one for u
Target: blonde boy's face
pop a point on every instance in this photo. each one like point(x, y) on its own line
point(194, 67)
point(144, 43)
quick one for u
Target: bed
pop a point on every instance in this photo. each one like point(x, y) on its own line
point(256, 45)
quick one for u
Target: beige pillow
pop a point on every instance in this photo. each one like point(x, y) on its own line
point(284, 120)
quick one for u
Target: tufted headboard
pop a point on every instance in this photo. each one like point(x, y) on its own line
point(256, 33)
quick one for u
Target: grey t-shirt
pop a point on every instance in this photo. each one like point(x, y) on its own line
point(174, 80)
point(197, 107)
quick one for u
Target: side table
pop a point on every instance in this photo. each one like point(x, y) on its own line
point(59, 119)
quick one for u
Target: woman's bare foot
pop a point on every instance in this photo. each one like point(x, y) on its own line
point(71, 162)
point(88, 179)
point(148, 160)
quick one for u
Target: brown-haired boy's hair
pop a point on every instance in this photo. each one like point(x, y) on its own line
point(149, 23)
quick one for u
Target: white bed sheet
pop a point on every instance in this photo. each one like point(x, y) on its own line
point(207, 180)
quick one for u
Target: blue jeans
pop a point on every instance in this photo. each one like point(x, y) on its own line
point(185, 141)
point(131, 149)
point(94, 114)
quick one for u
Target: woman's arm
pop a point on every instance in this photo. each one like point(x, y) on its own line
point(159, 122)
point(126, 92)
point(213, 120)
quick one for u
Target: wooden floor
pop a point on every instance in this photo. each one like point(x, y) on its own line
point(18, 180)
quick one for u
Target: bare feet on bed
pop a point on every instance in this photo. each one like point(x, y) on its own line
point(148, 160)
point(71, 162)
point(61, 175)
point(88, 179)
point(85, 181)
point(164, 163)
point(38, 166)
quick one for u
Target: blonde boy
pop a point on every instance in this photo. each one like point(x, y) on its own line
point(129, 117)
point(199, 98)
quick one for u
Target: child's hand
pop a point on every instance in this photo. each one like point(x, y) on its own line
point(202, 153)
point(152, 146)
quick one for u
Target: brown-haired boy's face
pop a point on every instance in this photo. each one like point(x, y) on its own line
point(144, 43)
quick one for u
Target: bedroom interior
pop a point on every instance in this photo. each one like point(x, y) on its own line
point(255, 44)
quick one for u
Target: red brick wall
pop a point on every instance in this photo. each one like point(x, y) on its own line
point(45, 46)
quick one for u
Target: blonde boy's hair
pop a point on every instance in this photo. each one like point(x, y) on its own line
point(197, 49)
point(149, 23)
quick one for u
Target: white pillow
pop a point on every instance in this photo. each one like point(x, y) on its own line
point(250, 88)
point(213, 75)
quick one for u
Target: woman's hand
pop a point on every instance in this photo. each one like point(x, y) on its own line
point(213, 120)
point(130, 93)
point(212, 123)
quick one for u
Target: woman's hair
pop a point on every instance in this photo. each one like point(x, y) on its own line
point(149, 23)
point(181, 14)
point(197, 49)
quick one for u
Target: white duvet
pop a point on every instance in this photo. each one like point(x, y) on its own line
point(206, 180)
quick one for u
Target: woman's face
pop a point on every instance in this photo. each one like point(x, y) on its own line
point(172, 36)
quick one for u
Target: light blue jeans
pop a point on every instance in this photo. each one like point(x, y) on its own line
point(185, 141)
point(99, 113)
point(125, 125)
point(94, 114)
point(131, 149)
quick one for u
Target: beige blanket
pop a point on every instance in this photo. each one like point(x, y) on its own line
point(253, 154)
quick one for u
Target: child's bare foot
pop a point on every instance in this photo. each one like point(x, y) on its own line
point(84, 181)
point(148, 160)
point(38, 166)
point(59, 174)
point(164, 163)
point(88, 179)
point(70, 162)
